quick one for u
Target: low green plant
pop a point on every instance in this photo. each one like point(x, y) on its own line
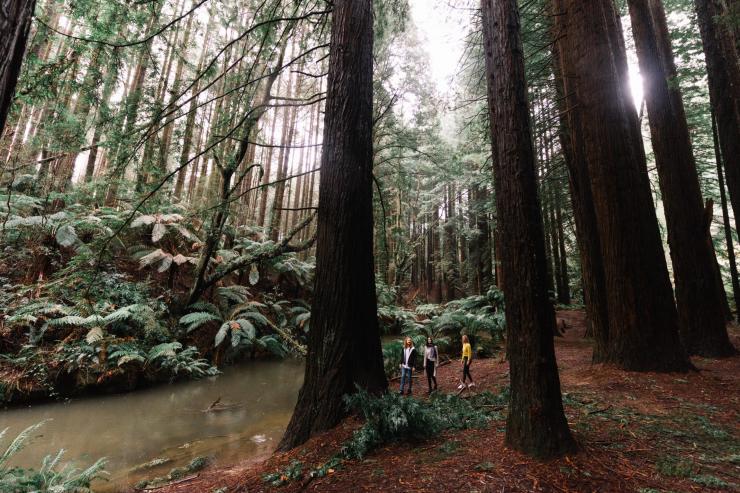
point(392, 418)
point(710, 481)
point(675, 467)
point(51, 477)
point(293, 471)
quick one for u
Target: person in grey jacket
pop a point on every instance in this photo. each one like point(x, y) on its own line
point(431, 361)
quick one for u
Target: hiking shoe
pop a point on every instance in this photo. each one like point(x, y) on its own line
point(472, 384)
point(461, 386)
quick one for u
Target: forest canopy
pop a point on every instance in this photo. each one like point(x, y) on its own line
point(190, 184)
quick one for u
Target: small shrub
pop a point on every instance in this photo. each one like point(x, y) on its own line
point(392, 418)
point(710, 481)
point(674, 467)
point(293, 471)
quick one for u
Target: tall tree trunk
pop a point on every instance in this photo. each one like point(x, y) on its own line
point(15, 22)
point(266, 178)
point(643, 321)
point(132, 102)
point(699, 300)
point(564, 291)
point(536, 424)
point(481, 268)
point(344, 341)
point(723, 68)
point(587, 235)
point(727, 226)
point(164, 145)
point(283, 160)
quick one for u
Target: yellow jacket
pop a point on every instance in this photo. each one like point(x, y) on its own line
point(467, 352)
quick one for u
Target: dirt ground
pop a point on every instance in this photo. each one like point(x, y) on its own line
point(641, 432)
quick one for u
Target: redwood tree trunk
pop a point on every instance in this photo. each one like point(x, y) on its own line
point(536, 424)
point(15, 22)
point(727, 226)
point(723, 69)
point(344, 341)
point(643, 321)
point(700, 303)
point(587, 234)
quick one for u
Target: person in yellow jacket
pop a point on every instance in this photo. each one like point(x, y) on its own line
point(467, 359)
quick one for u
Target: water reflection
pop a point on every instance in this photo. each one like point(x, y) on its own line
point(167, 422)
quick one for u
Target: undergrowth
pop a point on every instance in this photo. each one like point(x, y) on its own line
point(391, 418)
point(51, 477)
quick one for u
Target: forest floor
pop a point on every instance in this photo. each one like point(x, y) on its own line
point(642, 432)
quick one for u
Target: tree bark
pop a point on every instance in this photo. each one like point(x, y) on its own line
point(699, 301)
point(344, 342)
point(480, 245)
point(727, 226)
point(587, 235)
point(643, 321)
point(536, 424)
point(723, 68)
point(15, 22)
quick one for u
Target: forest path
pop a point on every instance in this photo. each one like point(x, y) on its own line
point(643, 432)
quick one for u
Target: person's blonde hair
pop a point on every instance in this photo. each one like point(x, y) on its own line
point(408, 342)
point(465, 338)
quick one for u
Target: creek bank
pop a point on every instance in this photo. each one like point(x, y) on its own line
point(643, 432)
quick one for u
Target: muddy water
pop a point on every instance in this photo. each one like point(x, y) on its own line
point(167, 422)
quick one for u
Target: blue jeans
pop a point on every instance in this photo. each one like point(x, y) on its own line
point(405, 377)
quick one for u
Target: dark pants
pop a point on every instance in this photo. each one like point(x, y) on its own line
point(430, 375)
point(466, 370)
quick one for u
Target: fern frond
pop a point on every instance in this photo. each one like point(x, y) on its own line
point(194, 320)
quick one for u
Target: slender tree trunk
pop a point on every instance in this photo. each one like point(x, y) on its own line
point(266, 177)
point(643, 321)
point(15, 22)
point(164, 146)
point(344, 341)
point(480, 246)
point(723, 68)
point(699, 301)
point(536, 424)
point(132, 102)
point(284, 157)
point(564, 291)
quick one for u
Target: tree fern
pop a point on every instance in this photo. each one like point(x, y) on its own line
point(195, 320)
point(166, 350)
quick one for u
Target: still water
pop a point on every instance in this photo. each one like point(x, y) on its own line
point(167, 422)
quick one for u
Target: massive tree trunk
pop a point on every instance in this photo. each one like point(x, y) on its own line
point(344, 341)
point(698, 297)
point(643, 321)
point(723, 69)
point(15, 22)
point(536, 424)
point(727, 226)
point(587, 235)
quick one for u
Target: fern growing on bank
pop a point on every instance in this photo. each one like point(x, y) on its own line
point(51, 477)
point(244, 325)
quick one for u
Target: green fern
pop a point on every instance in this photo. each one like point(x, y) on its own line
point(193, 321)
